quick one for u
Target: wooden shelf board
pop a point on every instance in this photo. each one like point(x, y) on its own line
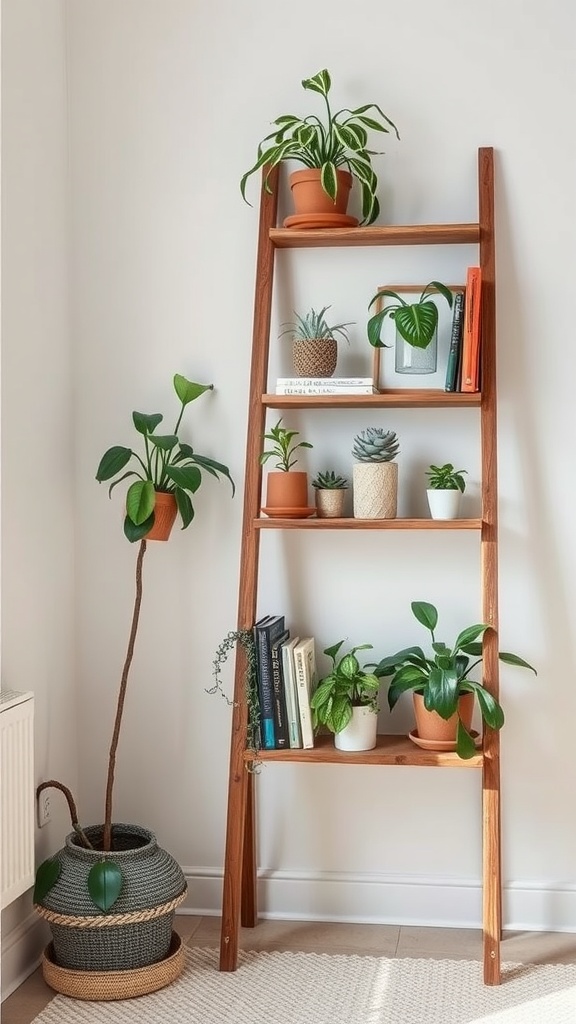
point(391, 750)
point(387, 234)
point(313, 523)
point(415, 398)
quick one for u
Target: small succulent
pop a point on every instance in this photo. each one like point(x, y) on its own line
point(283, 447)
point(446, 478)
point(329, 481)
point(313, 325)
point(376, 445)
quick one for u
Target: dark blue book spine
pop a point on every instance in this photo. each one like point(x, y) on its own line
point(454, 352)
point(267, 633)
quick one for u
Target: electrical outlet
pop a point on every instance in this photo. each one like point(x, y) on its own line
point(44, 808)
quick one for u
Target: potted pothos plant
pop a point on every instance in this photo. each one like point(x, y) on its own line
point(333, 149)
point(444, 693)
point(110, 894)
point(346, 700)
point(286, 488)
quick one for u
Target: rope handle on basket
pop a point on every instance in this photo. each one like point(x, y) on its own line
point(110, 920)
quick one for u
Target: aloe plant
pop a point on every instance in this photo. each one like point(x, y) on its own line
point(341, 140)
point(444, 677)
point(314, 325)
point(415, 322)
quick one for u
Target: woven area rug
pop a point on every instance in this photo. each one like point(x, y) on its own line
point(317, 988)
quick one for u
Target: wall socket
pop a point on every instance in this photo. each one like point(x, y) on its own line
point(44, 808)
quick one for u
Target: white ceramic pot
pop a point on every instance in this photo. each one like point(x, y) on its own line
point(375, 490)
point(361, 731)
point(443, 504)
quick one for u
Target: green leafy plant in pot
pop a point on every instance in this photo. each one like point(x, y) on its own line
point(110, 894)
point(440, 682)
point(346, 688)
point(314, 343)
point(375, 476)
point(333, 150)
point(330, 490)
point(287, 489)
point(445, 485)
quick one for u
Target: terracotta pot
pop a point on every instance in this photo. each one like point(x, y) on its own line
point(309, 197)
point(432, 727)
point(314, 357)
point(165, 511)
point(330, 502)
point(287, 490)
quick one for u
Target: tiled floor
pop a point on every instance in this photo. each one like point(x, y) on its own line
point(382, 940)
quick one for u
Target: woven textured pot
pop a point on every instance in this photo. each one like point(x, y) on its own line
point(165, 510)
point(330, 502)
point(375, 490)
point(314, 357)
point(137, 929)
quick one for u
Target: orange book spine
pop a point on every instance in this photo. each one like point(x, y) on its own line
point(470, 378)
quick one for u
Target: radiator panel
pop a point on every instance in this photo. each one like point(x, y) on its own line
point(16, 795)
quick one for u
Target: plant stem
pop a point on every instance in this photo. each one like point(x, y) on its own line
point(107, 837)
point(53, 784)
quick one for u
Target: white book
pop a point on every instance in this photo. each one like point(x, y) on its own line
point(305, 665)
point(290, 693)
point(326, 389)
point(322, 381)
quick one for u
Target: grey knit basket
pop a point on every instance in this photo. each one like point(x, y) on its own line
point(137, 930)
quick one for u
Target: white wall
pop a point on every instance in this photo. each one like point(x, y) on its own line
point(38, 522)
point(167, 103)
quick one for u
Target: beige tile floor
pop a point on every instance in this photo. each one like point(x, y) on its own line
point(382, 940)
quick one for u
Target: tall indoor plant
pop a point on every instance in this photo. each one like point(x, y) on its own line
point(335, 149)
point(110, 894)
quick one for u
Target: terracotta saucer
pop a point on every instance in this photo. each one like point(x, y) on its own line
point(441, 744)
point(320, 220)
point(289, 513)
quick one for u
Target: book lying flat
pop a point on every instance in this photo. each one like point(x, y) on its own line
point(331, 381)
point(326, 389)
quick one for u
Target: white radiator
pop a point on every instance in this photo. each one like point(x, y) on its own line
point(17, 799)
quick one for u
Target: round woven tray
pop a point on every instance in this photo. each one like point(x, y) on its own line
point(114, 984)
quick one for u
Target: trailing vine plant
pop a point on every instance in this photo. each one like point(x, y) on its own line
point(245, 638)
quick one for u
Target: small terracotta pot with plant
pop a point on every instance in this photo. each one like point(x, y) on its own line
point(286, 489)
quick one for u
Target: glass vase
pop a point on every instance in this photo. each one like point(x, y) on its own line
point(410, 359)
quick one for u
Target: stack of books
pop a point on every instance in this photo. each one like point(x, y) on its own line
point(286, 670)
point(326, 386)
point(463, 368)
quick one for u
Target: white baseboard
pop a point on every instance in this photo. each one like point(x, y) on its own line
point(21, 952)
point(380, 899)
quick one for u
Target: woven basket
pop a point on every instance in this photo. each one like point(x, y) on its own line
point(314, 357)
point(114, 984)
point(137, 930)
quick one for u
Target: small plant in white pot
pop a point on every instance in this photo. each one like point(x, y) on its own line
point(375, 477)
point(445, 487)
point(314, 343)
point(330, 494)
point(346, 701)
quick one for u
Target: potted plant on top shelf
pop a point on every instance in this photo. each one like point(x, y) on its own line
point(443, 692)
point(325, 148)
point(287, 489)
point(445, 486)
point(314, 344)
point(110, 894)
point(346, 701)
point(416, 326)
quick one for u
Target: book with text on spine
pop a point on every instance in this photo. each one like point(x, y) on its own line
point(305, 665)
point(327, 389)
point(311, 382)
point(290, 694)
point(455, 350)
point(470, 377)
point(281, 734)
point(266, 632)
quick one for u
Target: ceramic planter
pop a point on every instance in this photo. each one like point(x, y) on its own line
point(165, 510)
point(433, 729)
point(375, 490)
point(443, 504)
point(287, 494)
point(313, 206)
point(361, 731)
point(330, 502)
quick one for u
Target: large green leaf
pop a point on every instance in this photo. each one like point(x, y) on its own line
point(416, 323)
point(140, 500)
point(341, 714)
point(319, 83)
point(187, 477)
point(513, 659)
point(105, 884)
point(387, 666)
point(349, 666)
point(166, 442)
point(441, 694)
point(188, 390)
point(468, 635)
point(46, 877)
point(211, 466)
point(132, 532)
point(425, 613)
point(146, 424)
point(490, 709)
point(333, 651)
point(465, 746)
point(113, 462)
point(185, 506)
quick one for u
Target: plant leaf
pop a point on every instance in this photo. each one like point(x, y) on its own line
point(46, 877)
point(165, 442)
point(188, 390)
point(185, 506)
point(426, 614)
point(441, 694)
point(513, 659)
point(213, 467)
point(105, 884)
point(146, 424)
point(416, 323)
point(132, 532)
point(468, 635)
point(112, 462)
point(140, 501)
point(465, 746)
point(387, 666)
point(490, 709)
point(319, 83)
point(187, 477)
